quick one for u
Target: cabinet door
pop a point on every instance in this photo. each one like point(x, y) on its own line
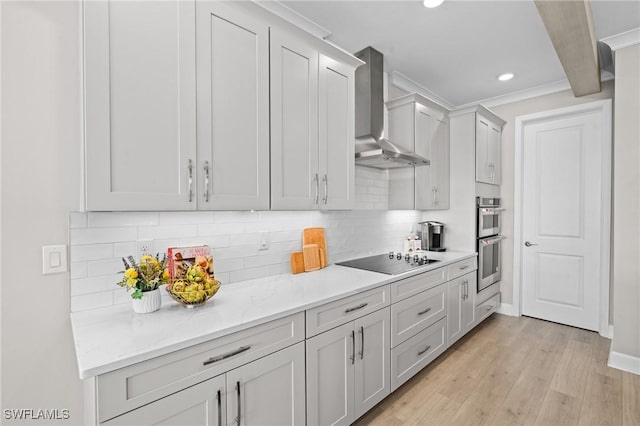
point(336, 140)
point(295, 181)
point(202, 404)
point(455, 299)
point(468, 307)
point(425, 194)
point(330, 379)
point(373, 363)
point(494, 154)
point(233, 109)
point(268, 391)
point(440, 163)
point(140, 88)
point(482, 150)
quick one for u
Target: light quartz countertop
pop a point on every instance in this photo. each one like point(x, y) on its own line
point(110, 338)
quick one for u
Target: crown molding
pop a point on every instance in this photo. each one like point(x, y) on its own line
point(294, 18)
point(625, 39)
point(405, 83)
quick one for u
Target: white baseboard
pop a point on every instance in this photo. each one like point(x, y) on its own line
point(506, 309)
point(624, 362)
point(609, 333)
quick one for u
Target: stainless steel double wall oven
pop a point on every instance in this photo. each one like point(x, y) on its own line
point(489, 241)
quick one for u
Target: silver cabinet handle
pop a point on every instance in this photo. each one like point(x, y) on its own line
point(315, 180)
point(424, 312)
point(433, 195)
point(190, 179)
point(424, 350)
point(362, 342)
point(463, 291)
point(489, 308)
point(466, 289)
point(219, 398)
point(529, 244)
point(355, 308)
point(238, 417)
point(353, 347)
point(437, 196)
point(462, 268)
point(326, 189)
point(227, 355)
point(206, 181)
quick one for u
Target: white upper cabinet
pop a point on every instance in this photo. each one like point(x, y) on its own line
point(140, 89)
point(295, 180)
point(233, 109)
point(312, 126)
point(488, 146)
point(336, 128)
point(417, 124)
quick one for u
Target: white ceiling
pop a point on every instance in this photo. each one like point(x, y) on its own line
point(458, 49)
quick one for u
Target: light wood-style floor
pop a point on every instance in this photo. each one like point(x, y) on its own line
point(516, 371)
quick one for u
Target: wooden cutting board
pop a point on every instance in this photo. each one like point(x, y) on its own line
point(311, 255)
point(297, 262)
point(316, 236)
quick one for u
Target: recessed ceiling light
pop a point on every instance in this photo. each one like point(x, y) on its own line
point(506, 76)
point(432, 3)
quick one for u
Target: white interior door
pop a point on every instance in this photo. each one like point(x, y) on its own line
point(561, 219)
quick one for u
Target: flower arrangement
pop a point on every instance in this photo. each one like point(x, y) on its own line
point(147, 275)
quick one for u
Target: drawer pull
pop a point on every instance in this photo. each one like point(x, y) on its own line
point(424, 350)
point(356, 308)
point(225, 356)
point(353, 347)
point(489, 307)
point(424, 312)
point(362, 347)
point(462, 268)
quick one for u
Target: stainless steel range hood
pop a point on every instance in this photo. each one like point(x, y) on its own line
point(372, 150)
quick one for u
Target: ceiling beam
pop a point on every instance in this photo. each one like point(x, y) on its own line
point(570, 28)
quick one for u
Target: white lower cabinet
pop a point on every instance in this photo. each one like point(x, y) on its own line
point(348, 370)
point(268, 391)
point(461, 306)
point(201, 404)
point(411, 356)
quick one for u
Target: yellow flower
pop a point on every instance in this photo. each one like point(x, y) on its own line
point(131, 273)
point(131, 282)
point(146, 257)
point(165, 274)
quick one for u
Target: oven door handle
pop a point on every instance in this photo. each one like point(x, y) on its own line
point(490, 211)
point(490, 241)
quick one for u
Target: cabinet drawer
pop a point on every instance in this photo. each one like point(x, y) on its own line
point(416, 353)
point(333, 314)
point(416, 284)
point(131, 387)
point(487, 307)
point(416, 313)
point(460, 268)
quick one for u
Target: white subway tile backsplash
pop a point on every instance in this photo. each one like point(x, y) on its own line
point(233, 237)
point(167, 231)
point(103, 235)
point(91, 252)
point(96, 268)
point(185, 218)
point(109, 219)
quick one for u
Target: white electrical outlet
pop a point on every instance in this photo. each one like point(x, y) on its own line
point(145, 247)
point(264, 241)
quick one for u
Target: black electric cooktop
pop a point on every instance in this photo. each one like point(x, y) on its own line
point(390, 263)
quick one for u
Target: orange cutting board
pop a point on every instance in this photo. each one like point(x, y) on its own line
point(311, 255)
point(316, 236)
point(297, 262)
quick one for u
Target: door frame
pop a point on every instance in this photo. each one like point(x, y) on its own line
point(604, 108)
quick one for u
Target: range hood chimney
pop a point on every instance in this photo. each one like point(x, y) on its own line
point(372, 150)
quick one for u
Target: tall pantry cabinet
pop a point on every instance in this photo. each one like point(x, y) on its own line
point(213, 106)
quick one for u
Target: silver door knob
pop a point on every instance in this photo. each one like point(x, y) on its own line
point(529, 244)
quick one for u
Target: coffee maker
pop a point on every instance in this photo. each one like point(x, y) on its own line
point(432, 236)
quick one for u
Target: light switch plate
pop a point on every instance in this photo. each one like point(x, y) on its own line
point(54, 259)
